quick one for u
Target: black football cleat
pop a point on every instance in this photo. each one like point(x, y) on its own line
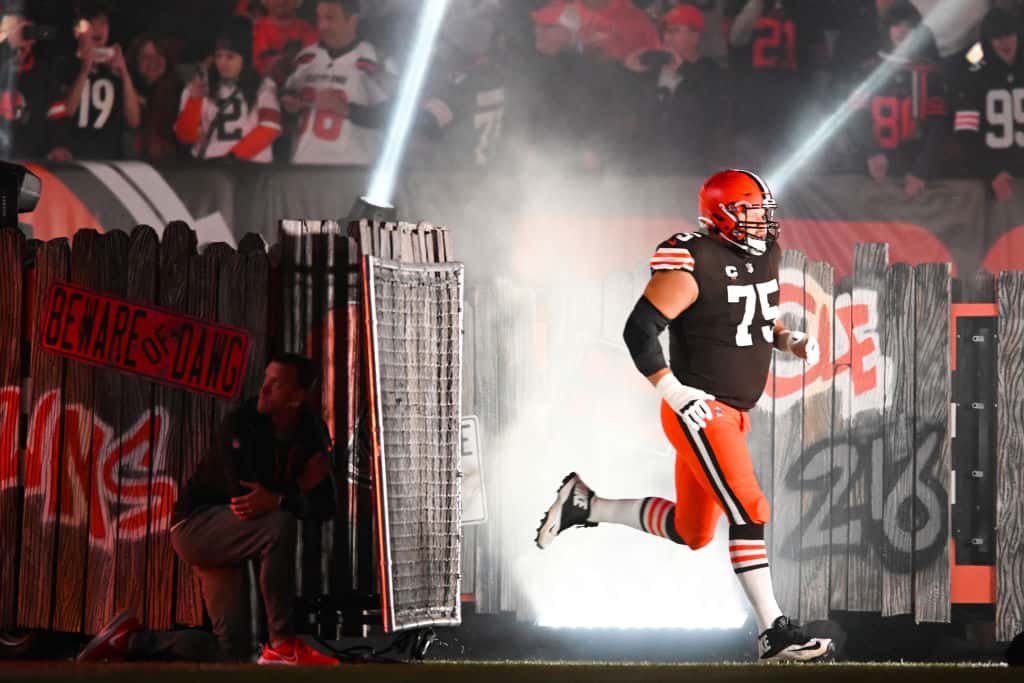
point(786, 642)
point(571, 508)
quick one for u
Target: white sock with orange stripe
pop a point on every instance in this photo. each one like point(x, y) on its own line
point(651, 515)
point(749, 557)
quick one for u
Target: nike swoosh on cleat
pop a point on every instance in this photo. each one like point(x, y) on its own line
point(813, 646)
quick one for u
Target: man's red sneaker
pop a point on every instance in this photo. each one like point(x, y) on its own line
point(112, 641)
point(294, 652)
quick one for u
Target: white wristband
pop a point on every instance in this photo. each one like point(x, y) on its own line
point(669, 386)
point(677, 395)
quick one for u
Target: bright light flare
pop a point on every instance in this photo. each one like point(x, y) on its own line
point(385, 174)
point(613, 577)
point(780, 177)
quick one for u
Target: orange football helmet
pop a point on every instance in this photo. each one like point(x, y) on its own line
point(720, 202)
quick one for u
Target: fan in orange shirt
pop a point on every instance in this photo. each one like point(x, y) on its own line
point(278, 37)
point(614, 29)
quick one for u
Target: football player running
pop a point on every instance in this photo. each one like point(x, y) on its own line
point(718, 296)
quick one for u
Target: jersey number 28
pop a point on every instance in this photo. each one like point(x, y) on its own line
point(753, 296)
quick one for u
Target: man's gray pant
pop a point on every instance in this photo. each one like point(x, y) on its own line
point(217, 545)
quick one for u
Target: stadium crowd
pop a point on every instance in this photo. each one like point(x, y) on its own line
point(591, 86)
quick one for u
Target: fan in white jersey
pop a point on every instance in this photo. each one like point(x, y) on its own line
point(232, 111)
point(336, 93)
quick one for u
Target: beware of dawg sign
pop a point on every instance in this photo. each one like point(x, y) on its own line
point(160, 345)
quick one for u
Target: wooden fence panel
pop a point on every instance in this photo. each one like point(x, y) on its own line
point(12, 253)
point(46, 429)
point(1010, 464)
point(887, 488)
point(816, 463)
point(865, 575)
point(304, 278)
point(784, 553)
point(842, 417)
point(230, 311)
point(136, 453)
point(176, 250)
point(257, 279)
point(106, 410)
point(897, 472)
point(488, 392)
point(933, 466)
point(80, 445)
point(198, 415)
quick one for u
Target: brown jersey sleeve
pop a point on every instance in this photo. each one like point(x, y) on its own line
point(675, 254)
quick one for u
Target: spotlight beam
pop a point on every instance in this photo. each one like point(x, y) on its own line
point(779, 177)
point(385, 174)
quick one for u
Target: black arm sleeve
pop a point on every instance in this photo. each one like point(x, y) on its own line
point(643, 326)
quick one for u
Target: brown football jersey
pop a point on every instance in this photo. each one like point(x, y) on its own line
point(722, 343)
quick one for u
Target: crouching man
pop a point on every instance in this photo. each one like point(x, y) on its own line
point(268, 467)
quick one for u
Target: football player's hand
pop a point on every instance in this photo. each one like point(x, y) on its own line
point(878, 166)
point(689, 403)
point(1002, 186)
point(803, 346)
point(912, 186)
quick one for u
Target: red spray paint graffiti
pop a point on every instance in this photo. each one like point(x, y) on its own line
point(123, 504)
point(855, 335)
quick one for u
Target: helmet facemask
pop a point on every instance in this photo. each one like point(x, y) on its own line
point(753, 237)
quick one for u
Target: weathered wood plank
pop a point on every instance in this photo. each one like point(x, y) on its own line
point(106, 409)
point(136, 453)
point(1010, 459)
point(199, 413)
point(80, 446)
point(46, 428)
point(230, 311)
point(979, 286)
point(898, 341)
point(176, 250)
point(252, 242)
point(839, 499)
point(488, 390)
point(865, 566)
point(12, 253)
point(816, 464)
point(331, 538)
point(360, 570)
point(933, 466)
point(784, 553)
point(842, 413)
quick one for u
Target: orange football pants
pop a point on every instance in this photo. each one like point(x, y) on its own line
point(714, 474)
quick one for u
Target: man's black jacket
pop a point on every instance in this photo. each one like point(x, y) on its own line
point(246, 449)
